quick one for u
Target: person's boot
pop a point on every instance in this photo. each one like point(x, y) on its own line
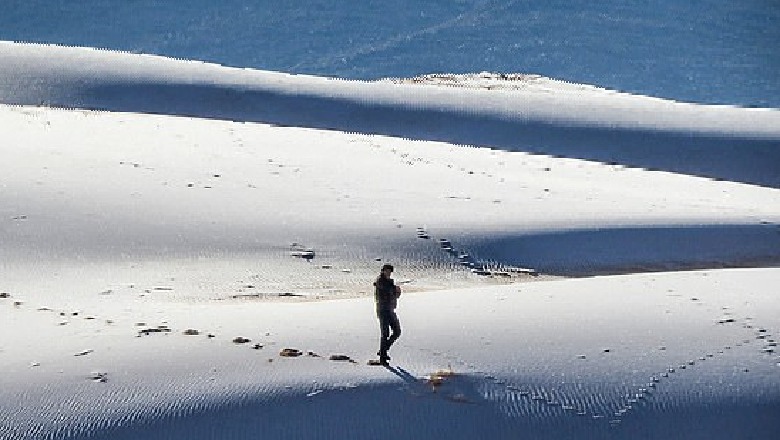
point(383, 357)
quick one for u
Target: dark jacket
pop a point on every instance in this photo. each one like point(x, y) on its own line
point(385, 293)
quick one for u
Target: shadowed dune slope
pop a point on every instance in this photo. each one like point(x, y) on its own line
point(390, 412)
point(635, 249)
point(557, 119)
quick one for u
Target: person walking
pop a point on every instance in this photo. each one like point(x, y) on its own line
point(386, 294)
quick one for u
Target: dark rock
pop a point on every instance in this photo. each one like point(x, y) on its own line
point(99, 377)
point(240, 340)
point(148, 331)
point(290, 352)
point(288, 294)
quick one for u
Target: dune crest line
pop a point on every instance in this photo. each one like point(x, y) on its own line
point(546, 117)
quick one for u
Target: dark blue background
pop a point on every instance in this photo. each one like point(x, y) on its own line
point(712, 51)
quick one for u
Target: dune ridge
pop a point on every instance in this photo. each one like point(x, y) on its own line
point(546, 117)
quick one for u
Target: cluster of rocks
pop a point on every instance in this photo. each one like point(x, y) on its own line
point(294, 352)
point(6, 295)
point(482, 80)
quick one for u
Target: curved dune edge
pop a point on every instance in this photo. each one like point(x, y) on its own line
point(547, 117)
point(123, 188)
point(651, 356)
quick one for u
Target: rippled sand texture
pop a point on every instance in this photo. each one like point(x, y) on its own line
point(634, 356)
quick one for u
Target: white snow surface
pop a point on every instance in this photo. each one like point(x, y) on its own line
point(141, 197)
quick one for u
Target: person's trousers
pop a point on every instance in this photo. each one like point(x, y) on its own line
point(388, 321)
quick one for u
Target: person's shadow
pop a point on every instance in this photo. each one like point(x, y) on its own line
point(403, 374)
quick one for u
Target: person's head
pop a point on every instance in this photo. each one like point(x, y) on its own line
point(387, 269)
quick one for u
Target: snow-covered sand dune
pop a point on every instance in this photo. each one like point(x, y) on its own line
point(675, 355)
point(532, 114)
point(95, 187)
point(134, 248)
